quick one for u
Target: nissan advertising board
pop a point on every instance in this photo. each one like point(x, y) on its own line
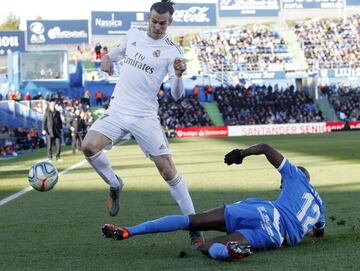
point(57, 31)
point(115, 23)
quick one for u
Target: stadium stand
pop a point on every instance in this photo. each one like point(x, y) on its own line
point(345, 101)
point(250, 48)
point(187, 112)
point(263, 105)
point(15, 140)
point(330, 43)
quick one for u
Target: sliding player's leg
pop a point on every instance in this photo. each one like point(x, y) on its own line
point(211, 220)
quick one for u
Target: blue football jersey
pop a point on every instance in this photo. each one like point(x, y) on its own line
point(300, 206)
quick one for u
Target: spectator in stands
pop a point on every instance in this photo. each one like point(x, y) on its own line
point(7, 141)
point(242, 49)
point(86, 98)
point(79, 50)
point(33, 138)
point(99, 97)
point(208, 93)
point(106, 102)
point(9, 148)
point(11, 96)
point(88, 118)
point(346, 101)
point(27, 96)
point(104, 51)
point(17, 96)
point(77, 126)
point(52, 125)
point(98, 50)
point(265, 106)
point(47, 96)
point(1, 97)
point(330, 43)
point(22, 141)
point(4, 131)
point(38, 96)
point(188, 112)
point(196, 90)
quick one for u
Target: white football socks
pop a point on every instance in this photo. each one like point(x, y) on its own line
point(180, 192)
point(102, 166)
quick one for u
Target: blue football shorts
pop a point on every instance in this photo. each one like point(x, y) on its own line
point(257, 220)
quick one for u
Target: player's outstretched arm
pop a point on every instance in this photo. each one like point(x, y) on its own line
point(236, 156)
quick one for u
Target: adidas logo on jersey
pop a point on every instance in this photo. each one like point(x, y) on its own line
point(134, 43)
point(162, 147)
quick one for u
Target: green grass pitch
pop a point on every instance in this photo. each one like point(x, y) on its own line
point(60, 229)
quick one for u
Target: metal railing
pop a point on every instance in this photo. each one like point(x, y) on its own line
point(27, 114)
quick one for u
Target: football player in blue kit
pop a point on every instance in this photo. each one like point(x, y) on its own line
point(251, 224)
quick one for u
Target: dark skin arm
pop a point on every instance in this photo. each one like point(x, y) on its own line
point(273, 156)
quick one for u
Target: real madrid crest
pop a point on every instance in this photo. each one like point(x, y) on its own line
point(156, 53)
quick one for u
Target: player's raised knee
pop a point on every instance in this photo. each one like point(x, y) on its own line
point(168, 173)
point(89, 147)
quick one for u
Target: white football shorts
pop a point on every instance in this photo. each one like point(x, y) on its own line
point(147, 131)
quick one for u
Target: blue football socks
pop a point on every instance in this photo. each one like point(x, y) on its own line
point(163, 224)
point(219, 252)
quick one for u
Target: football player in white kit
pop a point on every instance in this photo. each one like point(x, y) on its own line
point(149, 55)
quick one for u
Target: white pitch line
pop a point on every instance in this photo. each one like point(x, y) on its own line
point(16, 195)
point(29, 188)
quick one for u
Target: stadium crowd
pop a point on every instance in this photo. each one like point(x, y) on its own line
point(239, 105)
point(330, 43)
point(345, 101)
point(75, 114)
point(265, 105)
point(251, 48)
point(187, 112)
point(13, 140)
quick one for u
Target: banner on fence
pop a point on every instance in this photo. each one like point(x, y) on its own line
point(211, 131)
point(11, 41)
point(57, 31)
point(254, 8)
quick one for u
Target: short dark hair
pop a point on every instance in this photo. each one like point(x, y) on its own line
point(163, 7)
point(304, 170)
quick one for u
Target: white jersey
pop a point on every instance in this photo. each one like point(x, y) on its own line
point(146, 63)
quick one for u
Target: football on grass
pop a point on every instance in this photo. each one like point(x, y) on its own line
point(43, 176)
